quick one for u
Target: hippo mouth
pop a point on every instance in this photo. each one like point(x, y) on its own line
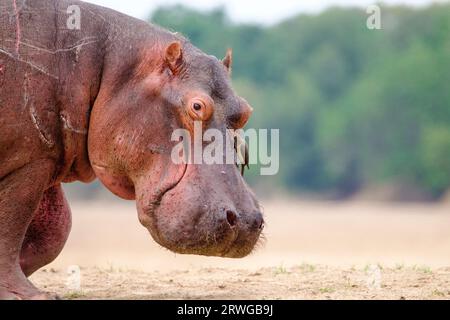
point(230, 244)
point(167, 186)
point(191, 210)
point(146, 214)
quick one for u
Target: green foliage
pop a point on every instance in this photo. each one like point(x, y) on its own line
point(354, 106)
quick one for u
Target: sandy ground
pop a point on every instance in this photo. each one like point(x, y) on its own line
point(300, 282)
point(313, 250)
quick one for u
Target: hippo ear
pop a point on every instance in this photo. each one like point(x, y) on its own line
point(174, 56)
point(228, 60)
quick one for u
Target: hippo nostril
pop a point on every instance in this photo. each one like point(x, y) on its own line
point(231, 218)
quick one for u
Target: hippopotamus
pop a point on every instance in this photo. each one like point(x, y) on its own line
point(100, 100)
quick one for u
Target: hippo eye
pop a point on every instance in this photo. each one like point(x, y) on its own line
point(199, 110)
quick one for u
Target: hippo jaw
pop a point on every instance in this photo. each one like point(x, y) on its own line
point(188, 219)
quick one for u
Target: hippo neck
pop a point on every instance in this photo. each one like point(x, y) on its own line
point(79, 63)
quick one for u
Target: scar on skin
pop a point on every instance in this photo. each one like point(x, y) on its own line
point(76, 46)
point(153, 148)
point(68, 126)
point(25, 92)
point(42, 135)
point(18, 31)
point(30, 64)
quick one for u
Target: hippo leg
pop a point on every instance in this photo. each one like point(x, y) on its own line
point(20, 194)
point(47, 233)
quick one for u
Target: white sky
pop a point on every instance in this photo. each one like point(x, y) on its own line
point(261, 11)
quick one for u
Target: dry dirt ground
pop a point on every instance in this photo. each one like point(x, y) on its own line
point(300, 282)
point(313, 250)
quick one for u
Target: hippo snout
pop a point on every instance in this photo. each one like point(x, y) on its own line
point(204, 213)
point(247, 228)
point(186, 224)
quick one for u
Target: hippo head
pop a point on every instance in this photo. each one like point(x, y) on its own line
point(204, 209)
